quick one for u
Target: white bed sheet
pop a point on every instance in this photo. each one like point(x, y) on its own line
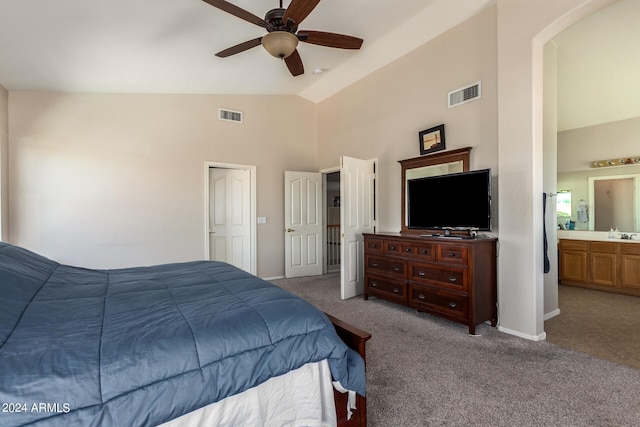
point(303, 397)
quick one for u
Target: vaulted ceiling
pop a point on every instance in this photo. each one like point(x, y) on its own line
point(160, 46)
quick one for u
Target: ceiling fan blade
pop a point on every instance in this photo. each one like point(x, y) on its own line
point(322, 38)
point(239, 48)
point(294, 63)
point(238, 12)
point(299, 9)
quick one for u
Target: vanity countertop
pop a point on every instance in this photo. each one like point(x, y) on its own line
point(596, 235)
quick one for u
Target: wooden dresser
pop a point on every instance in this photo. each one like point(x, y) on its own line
point(447, 277)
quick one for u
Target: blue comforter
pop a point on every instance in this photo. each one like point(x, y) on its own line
point(141, 346)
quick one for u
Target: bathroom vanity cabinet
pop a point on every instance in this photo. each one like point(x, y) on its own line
point(611, 266)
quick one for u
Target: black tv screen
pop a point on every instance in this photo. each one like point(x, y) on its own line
point(458, 201)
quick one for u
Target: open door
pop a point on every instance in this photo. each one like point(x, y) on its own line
point(357, 197)
point(302, 224)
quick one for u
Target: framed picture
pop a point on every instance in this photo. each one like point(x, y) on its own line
point(431, 140)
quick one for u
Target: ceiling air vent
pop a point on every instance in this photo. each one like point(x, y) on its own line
point(230, 115)
point(465, 94)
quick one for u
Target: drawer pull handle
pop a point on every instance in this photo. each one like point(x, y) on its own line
point(396, 290)
point(422, 297)
point(374, 285)
point(393, 248)
point(396, 268)
point(452, 254)
point(452, 279)
point(424, 252)
point(407, 249)
point(453, 304)
point(421, 273)
point(373, 245)
point(375, 264)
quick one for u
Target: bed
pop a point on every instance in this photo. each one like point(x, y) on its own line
point(174, 343)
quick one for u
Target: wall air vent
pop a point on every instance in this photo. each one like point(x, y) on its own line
point(230, 115)
point(465, 94)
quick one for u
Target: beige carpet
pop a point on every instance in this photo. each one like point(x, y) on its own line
point(602, 324)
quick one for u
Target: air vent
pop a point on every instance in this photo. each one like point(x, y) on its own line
point(230, 115)
point(465, 94)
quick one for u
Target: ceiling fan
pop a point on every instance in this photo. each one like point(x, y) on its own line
point(282, 35)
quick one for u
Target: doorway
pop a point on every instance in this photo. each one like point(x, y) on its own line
point(332, 222)
point(306, 220)
point(230, 217)
point(577, 306)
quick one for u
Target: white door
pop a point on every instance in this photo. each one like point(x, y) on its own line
point(230, 217)
point(357, 199)
point(302, 224)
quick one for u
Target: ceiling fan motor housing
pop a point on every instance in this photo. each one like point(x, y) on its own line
point(274, 17)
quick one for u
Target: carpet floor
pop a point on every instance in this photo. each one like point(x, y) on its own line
point(601, 324)
point(426, 371)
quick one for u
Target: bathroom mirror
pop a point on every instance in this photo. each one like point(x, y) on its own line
point(430, 165)
point(615, 201)
point(612, 196)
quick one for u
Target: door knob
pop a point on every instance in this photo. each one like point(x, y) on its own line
point(289, 230)
point(211, 231)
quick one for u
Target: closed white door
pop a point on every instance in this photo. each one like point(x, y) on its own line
point(302, 224)
point(230, 216)
point(357, 199)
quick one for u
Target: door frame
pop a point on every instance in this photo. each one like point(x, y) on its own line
point(325, 204)
point(253, 213)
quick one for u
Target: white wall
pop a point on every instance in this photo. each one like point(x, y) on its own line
point(579, 148)
point(549, 184)
point(118, 180)
point(523, 28)
point(381, 115)
point(4, 164)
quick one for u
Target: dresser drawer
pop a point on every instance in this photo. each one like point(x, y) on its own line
point(385, 266)
point(432, 299)
point(389, 289)
point(373, 245)
point(393, 247)
point(451, 253)
point(440, 275)
point(420, 251)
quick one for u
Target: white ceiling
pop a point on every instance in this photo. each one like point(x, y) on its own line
point(162, 46)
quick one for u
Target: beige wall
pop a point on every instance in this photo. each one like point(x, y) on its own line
point(381, 115)
point(4, 164)
point(118, 180)
point(523, 28)
point(579, 148)
point(549, 185)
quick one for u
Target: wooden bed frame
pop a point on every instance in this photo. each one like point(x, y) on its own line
point(356, 339)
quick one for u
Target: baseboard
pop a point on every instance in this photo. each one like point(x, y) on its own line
point(552, 314)
point(541, 337)
point(272, 278)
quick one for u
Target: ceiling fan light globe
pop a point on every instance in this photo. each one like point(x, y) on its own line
point(280, 44)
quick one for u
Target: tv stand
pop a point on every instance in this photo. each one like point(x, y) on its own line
point(453, 277)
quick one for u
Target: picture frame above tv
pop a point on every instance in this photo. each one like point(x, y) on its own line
point(432, 139)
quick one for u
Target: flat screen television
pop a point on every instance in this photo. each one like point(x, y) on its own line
point(459, 201)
